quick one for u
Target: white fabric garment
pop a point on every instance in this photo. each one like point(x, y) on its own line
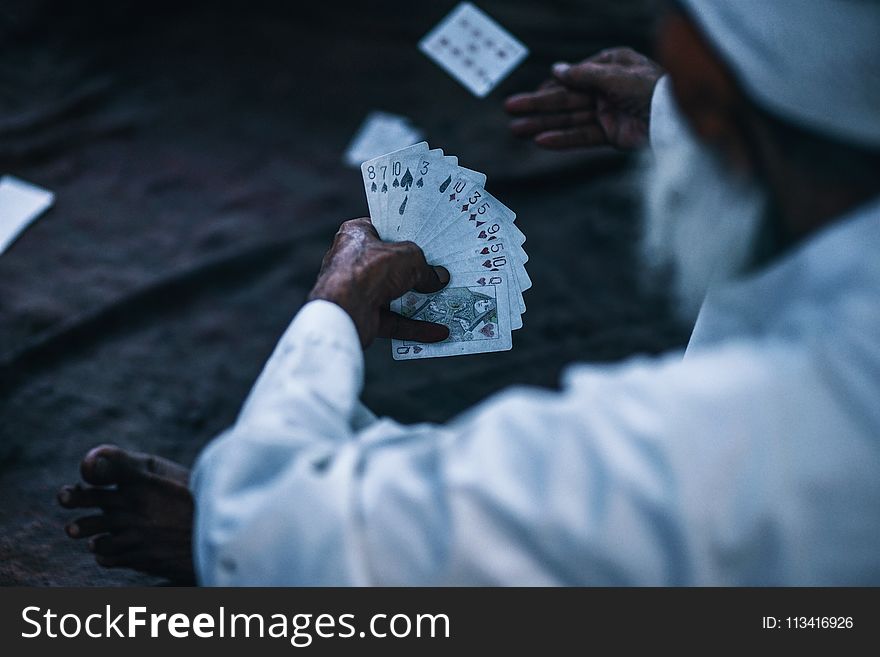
point(755, 460)
point(691, 198)
point(773, 46)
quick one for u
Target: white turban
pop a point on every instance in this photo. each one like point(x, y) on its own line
point(815, 63)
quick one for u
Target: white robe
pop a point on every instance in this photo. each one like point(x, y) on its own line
point(754, 460)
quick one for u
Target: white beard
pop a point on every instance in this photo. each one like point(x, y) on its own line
point(700, 221)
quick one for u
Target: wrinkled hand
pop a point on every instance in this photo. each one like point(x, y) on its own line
point(603, 101)
point(362, 274)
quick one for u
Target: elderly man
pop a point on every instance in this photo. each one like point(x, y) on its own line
point(753, 459)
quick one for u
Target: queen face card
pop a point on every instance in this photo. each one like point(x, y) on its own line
point(474, 307)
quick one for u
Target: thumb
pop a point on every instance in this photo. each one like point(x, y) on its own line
point(432, 279)
point(414, 272)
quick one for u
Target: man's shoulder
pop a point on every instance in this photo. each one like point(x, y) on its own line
point(722, 366)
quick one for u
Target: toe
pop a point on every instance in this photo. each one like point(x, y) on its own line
point(108, 464)
point(100, 466)
point(115, 544)
point(80, 497)
point(136, 559)
point(87, 526)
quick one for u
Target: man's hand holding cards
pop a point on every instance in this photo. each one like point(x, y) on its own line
point(423, 196)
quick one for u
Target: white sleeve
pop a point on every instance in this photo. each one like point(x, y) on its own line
point(301, 412)
point(667, 125)
point(654, 472)
point(519, 490)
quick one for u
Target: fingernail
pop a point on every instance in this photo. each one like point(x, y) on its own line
point(438, 333)
point(64, 496)
point(91, 545)
point(442, 274)
point(73, 530)
point(561, 68)
point(548, 135)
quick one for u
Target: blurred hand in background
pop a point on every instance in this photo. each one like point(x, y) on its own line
point(603, 101)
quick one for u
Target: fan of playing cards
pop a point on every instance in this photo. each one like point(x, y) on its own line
point(423, 195)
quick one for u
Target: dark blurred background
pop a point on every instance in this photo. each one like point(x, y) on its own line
point(195, 149)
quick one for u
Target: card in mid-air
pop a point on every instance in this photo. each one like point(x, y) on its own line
point(473, 49)
point(20, 204)
point(380, 133)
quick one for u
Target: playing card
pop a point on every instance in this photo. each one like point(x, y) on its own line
point(425, 196)
point(407, 181)
point(510, 259)
point(389, 167)
point(473, 49)
point(462, 217)
point(446, 194)
point(377, 184)
point(475, 308)
point(477, 219)
point(497, 257)
point(514, 294)
point(380, 133)
point(416, 207)
point(20, 204)
point(401, 165)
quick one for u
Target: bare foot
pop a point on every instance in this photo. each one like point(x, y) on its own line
point(144, 516)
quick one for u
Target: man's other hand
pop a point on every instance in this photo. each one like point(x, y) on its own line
point(603, 101)
point(362, 274)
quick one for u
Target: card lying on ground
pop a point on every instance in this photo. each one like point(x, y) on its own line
point(423, 195)
point(380, 132)
point(473, 49)
point(20, 204)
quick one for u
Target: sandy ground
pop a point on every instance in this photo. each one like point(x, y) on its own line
point(195, 149)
